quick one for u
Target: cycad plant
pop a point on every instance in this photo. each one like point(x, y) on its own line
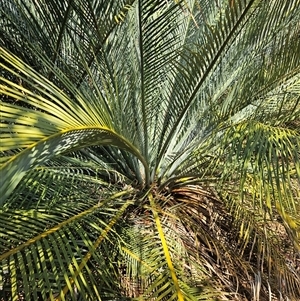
point(150, 150)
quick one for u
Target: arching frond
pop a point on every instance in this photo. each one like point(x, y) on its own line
point(56, 244)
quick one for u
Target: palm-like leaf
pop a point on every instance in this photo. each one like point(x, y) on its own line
point(149, 149)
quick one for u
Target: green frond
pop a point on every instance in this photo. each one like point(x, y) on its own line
point(49, 137)
point(267, 161)
point(15, 168)
point(67, 240)
point(53, 28)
